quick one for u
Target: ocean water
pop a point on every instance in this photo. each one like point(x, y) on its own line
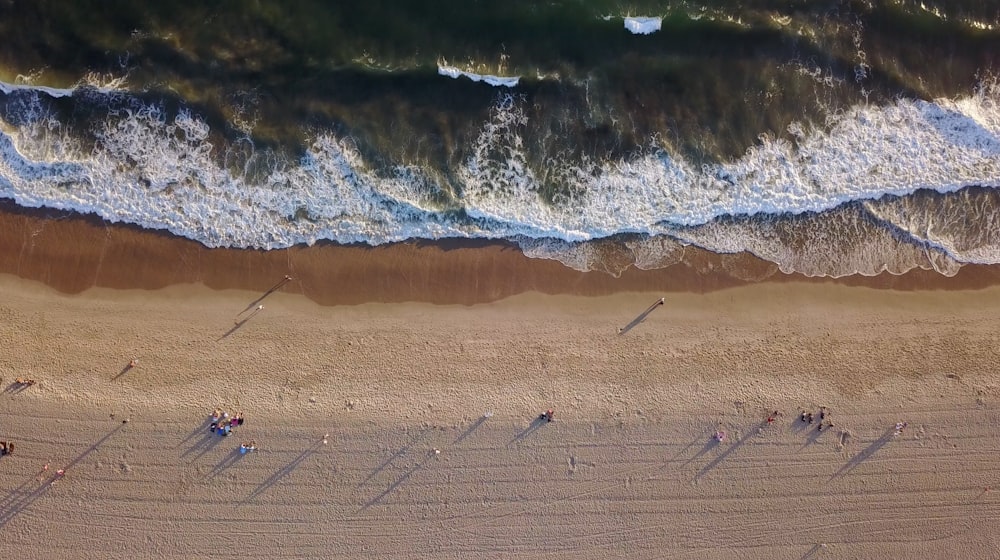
point(830, 138)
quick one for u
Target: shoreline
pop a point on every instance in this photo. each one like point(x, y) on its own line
point(71, 253)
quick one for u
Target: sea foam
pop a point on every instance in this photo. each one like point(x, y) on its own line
point(643, 25)
point(496, 81)
point(146, 168)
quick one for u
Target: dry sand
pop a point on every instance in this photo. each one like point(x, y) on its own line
point(627, 470)
point(398, 351)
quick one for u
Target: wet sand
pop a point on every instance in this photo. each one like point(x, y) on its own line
point(628, 469)
point(72, 253)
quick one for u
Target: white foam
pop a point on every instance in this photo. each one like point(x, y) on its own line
point(98, 83)
point(835, 245)
point(161, 172)
point(7, 89)
point(643, 25)
point(496, 81)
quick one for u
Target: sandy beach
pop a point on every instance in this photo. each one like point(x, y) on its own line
point(414, 468)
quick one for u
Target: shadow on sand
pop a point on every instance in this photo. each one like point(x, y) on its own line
point(538, 422)
point(396, 484)
point(226, 462)
point(126, 369)
point(239, 325)
point(640, 318)
point(475, 425)
point(814, 434)
point(16, 387)
point(729, 450)
point(283, 471)
point(712, 443)
point(208, 440)
point(812, 552)
point(281, 283)
point(393, 457)
point(18, 499)
point(865, 454)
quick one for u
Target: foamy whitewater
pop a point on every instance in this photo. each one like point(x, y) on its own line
point(643, 25)
point(496, 81)
point(142, 168)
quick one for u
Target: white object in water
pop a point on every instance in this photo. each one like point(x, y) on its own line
point(643, 25)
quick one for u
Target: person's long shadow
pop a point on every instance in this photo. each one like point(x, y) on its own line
point(226, 462)
point(283, 472)
point(812, 551)
point(738, 444)
point(208, 441)
point(392, 458)
point(281, 283)
point(236, 327)
point(681, 452)
point(470, 429)
point(814, 434)
point(20, 498)
point(126, 369)
point(640, 318)
point(16, 387)
point(799, 425)
point(712, 443)
point(865, 455)
point(396, 484)
point(538, 422)
point(202, 429)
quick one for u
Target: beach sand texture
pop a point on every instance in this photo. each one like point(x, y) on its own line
point(628, 469)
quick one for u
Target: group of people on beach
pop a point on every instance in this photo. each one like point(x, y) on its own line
point(899, 428)
point(824, 422)
point(223, 424)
